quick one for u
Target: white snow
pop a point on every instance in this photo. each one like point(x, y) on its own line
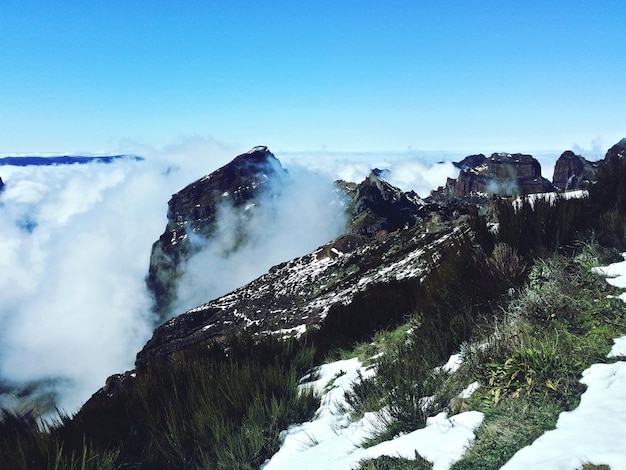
point(550, 197)
point(332, 441)
point(296, 331)
point(595, 432)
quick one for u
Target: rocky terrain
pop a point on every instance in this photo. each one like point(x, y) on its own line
point(390, 236)
point(502, 173)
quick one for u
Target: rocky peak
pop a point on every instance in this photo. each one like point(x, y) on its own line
point(380, 207)
point(243, 181)
point(471, 161)
point(501, 173)
point(573, 171)
point(617, 151)
point(237, 182)
point(1, 185)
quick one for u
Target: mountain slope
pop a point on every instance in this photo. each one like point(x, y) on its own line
point(302, 292)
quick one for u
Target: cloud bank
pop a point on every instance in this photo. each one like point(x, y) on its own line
point(411, 170)
point(75, 250)
point(76, 244)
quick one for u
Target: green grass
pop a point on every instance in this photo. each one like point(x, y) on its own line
point(214, 406)
point(530, 366)
point(396, 463)
point(528, 354)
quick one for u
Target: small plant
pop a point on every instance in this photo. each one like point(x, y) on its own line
point(505, 264)
point(396, 463)
point(525, 371)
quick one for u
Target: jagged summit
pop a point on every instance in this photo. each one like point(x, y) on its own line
point(247, 179)
point(379, 206)
point(471, 161)
point(502, 173)
point(573, 171)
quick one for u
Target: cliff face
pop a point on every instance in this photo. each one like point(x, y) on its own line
point(191, 215)
point(303, 292)
point(504, 174)
point(572, 172)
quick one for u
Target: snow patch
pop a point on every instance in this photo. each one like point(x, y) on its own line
point(332, 440)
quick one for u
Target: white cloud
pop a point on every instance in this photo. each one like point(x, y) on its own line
point(73, 303)
point(417, 171)
point(305, 215)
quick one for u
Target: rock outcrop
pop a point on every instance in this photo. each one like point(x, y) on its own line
point(617, 151)
point(471, 161)
point(380, 207)
point(191, 215)
point(573, 171)
point(1, 185)
point(301, 293)
point(503, 174)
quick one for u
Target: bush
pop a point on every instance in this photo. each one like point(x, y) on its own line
point(27, 443)
point(222, 410)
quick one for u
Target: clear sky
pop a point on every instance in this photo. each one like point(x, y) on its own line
point(314, 75)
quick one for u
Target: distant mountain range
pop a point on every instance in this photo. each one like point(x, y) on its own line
point(29, 160)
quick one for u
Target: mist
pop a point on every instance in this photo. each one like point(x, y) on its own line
point(410, 171)
point(76, 242)
point(292, 219)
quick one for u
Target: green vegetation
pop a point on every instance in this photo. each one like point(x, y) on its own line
point(215, 406)
point(396, 463)
point(528, 358)
point(530, 365)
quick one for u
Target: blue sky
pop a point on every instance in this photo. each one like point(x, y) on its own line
point(305, 76)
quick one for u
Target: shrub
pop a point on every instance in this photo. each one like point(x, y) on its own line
point(505, 264)
point(221, 410)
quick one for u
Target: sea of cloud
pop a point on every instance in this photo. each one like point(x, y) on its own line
point(75, 249)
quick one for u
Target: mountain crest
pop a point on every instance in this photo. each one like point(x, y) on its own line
point(573, 171)
point(247, 179)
